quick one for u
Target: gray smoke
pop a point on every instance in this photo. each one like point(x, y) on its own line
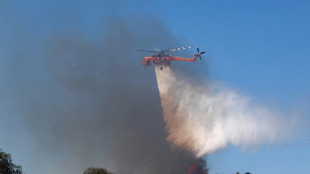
point(88, 102)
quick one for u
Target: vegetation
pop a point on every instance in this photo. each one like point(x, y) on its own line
point(7, 166)
point(94, 170)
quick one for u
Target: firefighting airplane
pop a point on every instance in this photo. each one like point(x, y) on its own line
point(162, 58)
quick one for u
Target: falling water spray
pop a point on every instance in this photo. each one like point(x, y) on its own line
point(205, 117)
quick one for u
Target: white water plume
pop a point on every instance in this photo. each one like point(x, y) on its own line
point(203, 118)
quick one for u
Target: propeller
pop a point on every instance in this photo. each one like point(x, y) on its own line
point(200, 53)
point(180, 48)
point(147, 51)
point(162, 51)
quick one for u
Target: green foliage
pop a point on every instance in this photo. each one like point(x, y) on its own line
point(94, 170)
point(7, 166)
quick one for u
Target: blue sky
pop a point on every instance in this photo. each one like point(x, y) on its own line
point(260, 48)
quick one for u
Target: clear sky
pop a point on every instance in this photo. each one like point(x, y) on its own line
point(260, 48)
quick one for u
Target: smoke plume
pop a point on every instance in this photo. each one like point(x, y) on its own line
point(87, 101)
point(205, 117)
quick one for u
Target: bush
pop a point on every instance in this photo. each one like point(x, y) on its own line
point(7, 166)
point(93, 170)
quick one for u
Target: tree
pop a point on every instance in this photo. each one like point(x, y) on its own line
point(94, 170)
point(7, 166)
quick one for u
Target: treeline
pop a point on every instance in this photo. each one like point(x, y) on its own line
point(8, 167)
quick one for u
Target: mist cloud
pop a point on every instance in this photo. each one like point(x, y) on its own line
point(206, 117)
